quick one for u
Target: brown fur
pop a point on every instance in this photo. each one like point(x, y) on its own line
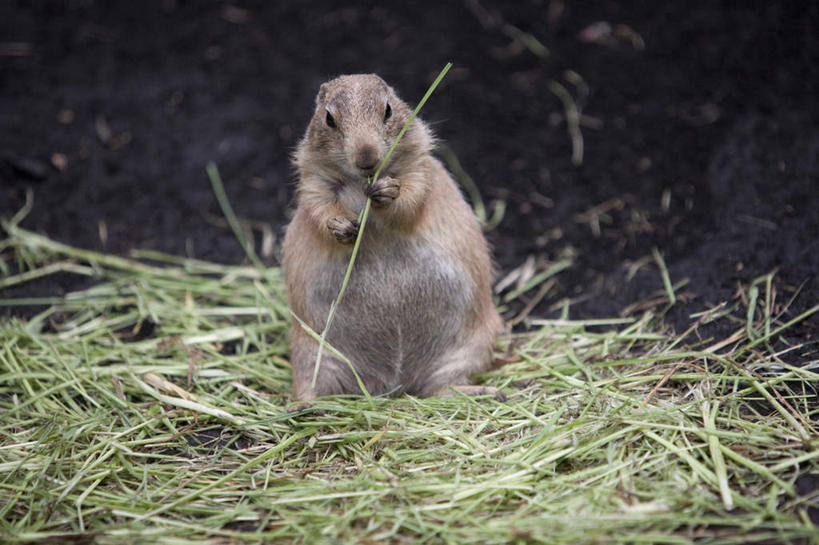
point(417, 316)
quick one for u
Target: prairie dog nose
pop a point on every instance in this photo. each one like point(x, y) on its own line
point(366, 158)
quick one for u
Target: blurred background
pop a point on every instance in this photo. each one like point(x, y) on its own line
point(607, 130)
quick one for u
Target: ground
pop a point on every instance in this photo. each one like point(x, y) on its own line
point(698, 123)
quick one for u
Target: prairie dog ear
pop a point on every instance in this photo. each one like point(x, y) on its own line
point(322, 94)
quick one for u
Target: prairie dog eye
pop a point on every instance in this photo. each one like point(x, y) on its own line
point(387, 112)
point(330, 121)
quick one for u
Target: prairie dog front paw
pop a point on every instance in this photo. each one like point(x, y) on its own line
point(343, 229)
point(383, 191)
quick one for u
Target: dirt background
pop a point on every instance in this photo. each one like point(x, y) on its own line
point(699, 121)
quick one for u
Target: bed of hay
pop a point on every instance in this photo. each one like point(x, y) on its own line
point(154, 407)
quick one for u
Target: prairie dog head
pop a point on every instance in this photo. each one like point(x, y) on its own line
point(357, 118)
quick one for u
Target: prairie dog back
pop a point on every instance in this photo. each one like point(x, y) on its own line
point(417, 316)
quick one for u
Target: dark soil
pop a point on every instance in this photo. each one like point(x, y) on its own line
point(703, 144)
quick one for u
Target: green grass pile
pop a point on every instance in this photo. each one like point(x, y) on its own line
point(153, 407)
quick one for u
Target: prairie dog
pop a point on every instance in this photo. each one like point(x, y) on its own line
point(417, 316)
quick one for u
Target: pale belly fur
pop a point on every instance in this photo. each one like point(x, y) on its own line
point(400, 312)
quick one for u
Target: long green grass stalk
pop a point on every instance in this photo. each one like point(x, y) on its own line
point(230, 215)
